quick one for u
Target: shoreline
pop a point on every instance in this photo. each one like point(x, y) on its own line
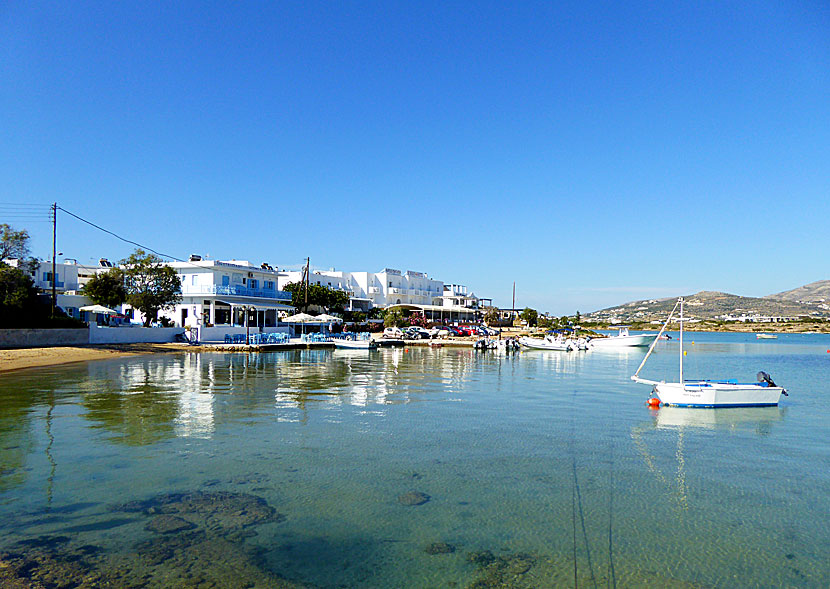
point(12, 360)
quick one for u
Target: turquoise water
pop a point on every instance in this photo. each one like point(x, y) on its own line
point(297, 466)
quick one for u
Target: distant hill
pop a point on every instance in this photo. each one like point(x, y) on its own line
point(815, 292)
point(717, 305)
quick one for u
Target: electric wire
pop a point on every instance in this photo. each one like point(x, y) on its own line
point(124, 239)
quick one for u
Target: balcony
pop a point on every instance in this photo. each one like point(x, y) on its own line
point(236, 291)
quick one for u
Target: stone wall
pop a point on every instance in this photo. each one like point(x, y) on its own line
point(43, 338)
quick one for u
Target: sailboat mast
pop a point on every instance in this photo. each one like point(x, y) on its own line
point(681, 341)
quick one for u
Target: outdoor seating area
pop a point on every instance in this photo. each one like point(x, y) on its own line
point(315, 337)
point(257, 339)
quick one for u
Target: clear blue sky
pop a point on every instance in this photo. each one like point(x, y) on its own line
point(595, 153)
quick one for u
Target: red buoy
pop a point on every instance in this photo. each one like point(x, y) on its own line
point(653, 402)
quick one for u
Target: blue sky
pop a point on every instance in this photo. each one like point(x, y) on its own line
point(595, 153)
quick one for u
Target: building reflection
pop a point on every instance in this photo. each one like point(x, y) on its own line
point(149, 399)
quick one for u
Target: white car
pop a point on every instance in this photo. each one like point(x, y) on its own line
point(393, 332)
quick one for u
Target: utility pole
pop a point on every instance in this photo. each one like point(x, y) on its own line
point(513, 308)
point(307, 264)
point(54, 208)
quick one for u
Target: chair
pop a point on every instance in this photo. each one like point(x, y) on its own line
point(228, 338)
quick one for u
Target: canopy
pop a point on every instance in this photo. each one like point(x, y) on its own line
point(301, 318)
point(328, 318)
point(99, 309)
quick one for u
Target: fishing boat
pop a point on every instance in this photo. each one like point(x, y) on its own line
point(765, 336)
point(548, 343)
point(708, 393)
point(624, 339)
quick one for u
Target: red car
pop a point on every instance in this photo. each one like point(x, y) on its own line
point(463, 331)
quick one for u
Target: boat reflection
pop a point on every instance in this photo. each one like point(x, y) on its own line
point(684, 422)
point(759, 419)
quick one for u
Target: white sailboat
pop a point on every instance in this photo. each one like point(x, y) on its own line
point(709, 393)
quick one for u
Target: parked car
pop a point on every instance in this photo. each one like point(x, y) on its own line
point(393, 332)
point(441, 331)
point(416, 332)
point(490, 330)
point(463, 331)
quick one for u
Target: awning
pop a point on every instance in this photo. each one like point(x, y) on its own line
point(100, 309)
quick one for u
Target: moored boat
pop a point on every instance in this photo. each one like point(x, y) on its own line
point(765, 336)
point(624, 339)
point(548, 343)
point(349, 343)
point(709, 393)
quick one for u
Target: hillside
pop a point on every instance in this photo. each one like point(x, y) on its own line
point(815, 292)
point(712, 305)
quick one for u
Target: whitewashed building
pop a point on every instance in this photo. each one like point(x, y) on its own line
point(221, 293)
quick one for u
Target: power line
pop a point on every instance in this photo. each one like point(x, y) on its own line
point(124, 239)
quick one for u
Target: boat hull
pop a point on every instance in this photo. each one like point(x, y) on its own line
point(624, 341)
point(717, 394)
point(355, 344)
point(540, 344)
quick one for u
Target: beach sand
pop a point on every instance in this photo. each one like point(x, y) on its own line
point(36, 357)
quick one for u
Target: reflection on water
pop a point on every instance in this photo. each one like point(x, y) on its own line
point(408, 467)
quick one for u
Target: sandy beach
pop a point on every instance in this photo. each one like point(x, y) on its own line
point(19, 359)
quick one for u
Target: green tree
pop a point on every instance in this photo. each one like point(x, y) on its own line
point(319, 295)
point(577, 318)
point(151, 285)
point(394, 318)
point(18, 296)
point(107, 288)
point(13, 244)
point(529, 315)
point(491, 316)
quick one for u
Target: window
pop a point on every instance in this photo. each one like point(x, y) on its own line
point(254, 284)
point(226, 280)
point(269, 285)
point(193, 279)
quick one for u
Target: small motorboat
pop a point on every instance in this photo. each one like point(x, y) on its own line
point(765, 336)
point(549, 342)
point(355, 343)
point(624, 339)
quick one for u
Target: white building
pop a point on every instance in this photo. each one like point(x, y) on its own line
point(374, 289)
point(217, 293)
point(70, 278)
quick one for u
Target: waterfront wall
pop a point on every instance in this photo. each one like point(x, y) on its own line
point(46, 338)
point(132, 335)
point(43, 338)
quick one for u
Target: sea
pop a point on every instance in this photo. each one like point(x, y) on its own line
point(416, 467)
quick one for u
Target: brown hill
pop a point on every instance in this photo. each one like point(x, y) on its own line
point(815, 292)
point(711, 305)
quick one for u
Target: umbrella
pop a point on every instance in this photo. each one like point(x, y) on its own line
point(300, 318)
point(328, 318)
point(99, 309)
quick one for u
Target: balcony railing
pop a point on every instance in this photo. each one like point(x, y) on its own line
point(236, 291)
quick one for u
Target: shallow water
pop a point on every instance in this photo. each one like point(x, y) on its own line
point(550, 461)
